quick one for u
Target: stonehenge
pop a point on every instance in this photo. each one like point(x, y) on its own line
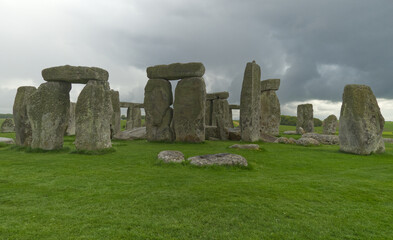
point(134, 116)
point(116, 114)
point(71, 120)
point(23, 132)
point(305, 118)
point(185, 122)
point(329, 125)
point(270, 107)
point(361, 121)
point(218, 114)
point(250, 103)
point(7, 126)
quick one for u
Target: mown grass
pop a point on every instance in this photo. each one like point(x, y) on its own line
point(289, 192)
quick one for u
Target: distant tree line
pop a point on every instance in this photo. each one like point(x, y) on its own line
point(5, 115)
point(291, 121)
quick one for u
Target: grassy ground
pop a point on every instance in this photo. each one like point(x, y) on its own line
point(289, 192)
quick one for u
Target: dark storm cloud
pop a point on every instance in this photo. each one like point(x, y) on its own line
point(315, 47)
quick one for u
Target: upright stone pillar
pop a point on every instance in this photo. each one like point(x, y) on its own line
point(71, 120)
point(23, 134)
point(361, 121)
point(329, 125)
point(157, 102)
point(250, 103)
point(270, 107)
point(116, 115)
point(93, 117)
point(134, 117)
point(189, 110)
point(48, 112)
point(305, 118)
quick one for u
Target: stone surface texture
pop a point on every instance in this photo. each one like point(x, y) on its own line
point(23, 132)
point(133, 134)
point(245, 146)
point(250, 103)
point(7, 126)
point(134, 117)
point(270, 84)
point(234, 134)
point(361, 121)
point(329, 125)
point(116, 114)
point(221, 117)
point(270, 113)
point(189, 110)
point(159, 114)
point(74, 74)
point(305, 115)
point(6, 140)
point(71, 120)
point(323, 138)
point(48, 111)
point(305, 141)
point(176, 71)
point(217, 95)
point(171, 156)
point(93, 117)
point(218, 159)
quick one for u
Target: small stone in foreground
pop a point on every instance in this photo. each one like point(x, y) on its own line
point(304, 141)
point(6, 140)
point(133, 134)
point(245, 146)
point(171, 156)
point(218, 159)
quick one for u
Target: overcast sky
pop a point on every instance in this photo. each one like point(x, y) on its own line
point(315, 47)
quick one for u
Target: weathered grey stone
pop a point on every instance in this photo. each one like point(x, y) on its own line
point(21, 120)
point(7, 126)
point(176, 71)
point(157, 102)
point(131, 104)
point(48, 111)
point(189, 110)
point(133, 134)
point(361, 121)
point(71, 120)
point(171, 156)
point(208, 112)
point(304, 141)
point(305, 115)
point(329, 125)
point(218, 159)
point(134, 118)
point(290, 133)
point(217, 95)
point(230, 119)
point(250, 103)
point(93, 117)
point(268, 138)
point(74, 74)
point(6, 140)
point(282, 140)
point(323, 138)
point(221, 117)
point(234, 134)
point(211, 132)
point(270, 84)
point(388, 140)
point(246, 146)
point(270, 113)
point(116, 114)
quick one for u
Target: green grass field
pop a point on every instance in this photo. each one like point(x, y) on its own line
point(288, 192)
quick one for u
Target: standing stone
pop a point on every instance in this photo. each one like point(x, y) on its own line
point(361, 121)
point(116, 115)
point(22, 124)
point(208, 112)
point(329, 125)
point(157, 102)
point(7, 126)
point(189, 110)
point(270, 113)
point(48, 112)
point(134, 118)
point(71, 120)
point(220, 117)
point(250, 103)
point(93, 117)
point(305, 117)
